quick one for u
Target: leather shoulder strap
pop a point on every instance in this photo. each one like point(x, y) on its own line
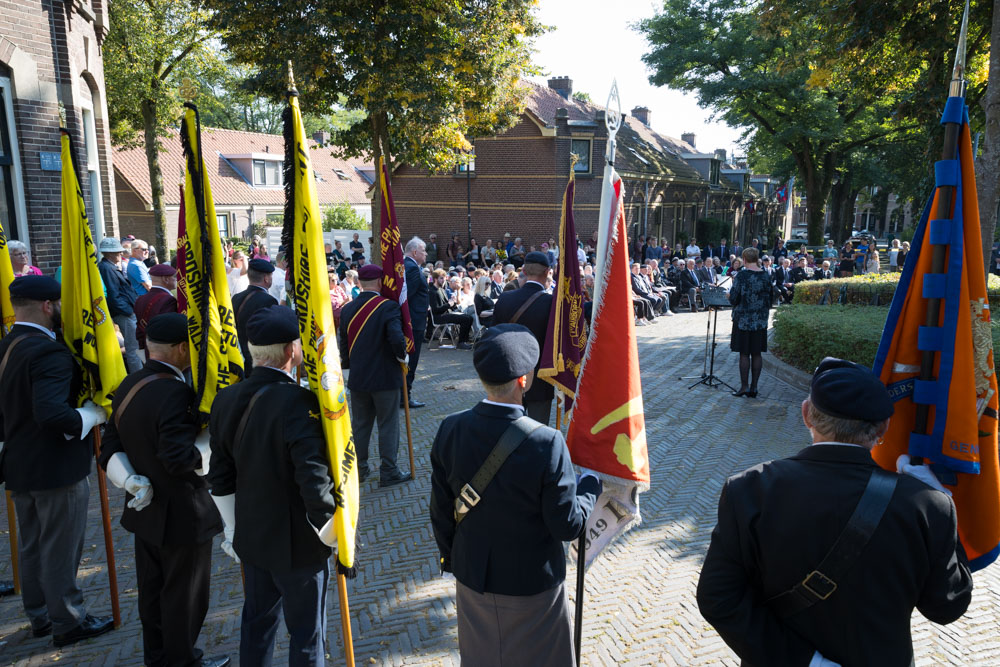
point(136, 388)
point(242, 427)
point(821, 583)
point(247, 300)
point(525, 306)
point(10, 348)
point(515, 434)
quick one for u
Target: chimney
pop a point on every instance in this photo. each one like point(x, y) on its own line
point(321, 137)
point(562, 85)
point(720, 154)
point(641, 114)
point(688, 137)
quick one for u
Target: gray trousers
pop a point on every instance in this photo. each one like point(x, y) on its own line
point(503, 630)
point(126, 323)
point(367, 408)
point(50, 530)
point(539, 410)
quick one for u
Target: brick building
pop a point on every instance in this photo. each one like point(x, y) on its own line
point(517, 179)
point(50, 53)
point(245, 170)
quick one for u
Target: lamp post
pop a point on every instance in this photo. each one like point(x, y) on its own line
point(470, 157)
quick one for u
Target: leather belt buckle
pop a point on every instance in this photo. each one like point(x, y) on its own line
point(819, 584)
point(469, 496)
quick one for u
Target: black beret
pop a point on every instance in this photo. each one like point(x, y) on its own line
point(370, 272)
point(848, 390)
point(261, 266)
point(273, 325)
point(162, 270)
point(504, 353)
point(36, 288)
point(535, 257)
point(167, 328)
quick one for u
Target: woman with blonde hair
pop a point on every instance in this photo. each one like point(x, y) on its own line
point(873, 265)
point(351, 284)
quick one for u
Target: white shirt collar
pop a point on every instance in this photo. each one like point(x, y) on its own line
point(177, 371)
point(48, 332)
point(280, 371)
point(162, 288)
point(832, 442)
point(503, 405)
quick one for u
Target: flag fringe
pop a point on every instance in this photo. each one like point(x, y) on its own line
point(288, 169)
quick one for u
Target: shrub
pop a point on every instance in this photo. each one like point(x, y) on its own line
point(862, 290)
point(343, 216)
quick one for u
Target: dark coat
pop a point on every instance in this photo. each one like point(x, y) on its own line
point(511, 542)
point(279, 472)
point(778, 520)
point(120, 293)
point(378, 349)
point(688, 281)
point(245, 304)
point(798, 274)
point(156, 301)
point(37, 398)
point(417, 299)
point(536, 318)
point(157, 432)
point(439, 301)
point(820, 274)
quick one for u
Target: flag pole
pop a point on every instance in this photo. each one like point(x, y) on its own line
point(409, 428)
point(945, 197)
point(109, 546)
point(345, 620)
point(12, 534)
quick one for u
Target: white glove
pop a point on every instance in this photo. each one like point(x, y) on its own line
point(327, 534)
point(123, 475)
point(923, 473)
point(227, 508)
point(91, 415)
point(405, 360)
point(203, 444)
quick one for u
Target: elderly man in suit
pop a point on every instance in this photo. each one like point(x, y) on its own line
point(371, 336)
point(507, 556)
point(530, 305)
point(418, 301)
point(690, 284)
point(869, 545)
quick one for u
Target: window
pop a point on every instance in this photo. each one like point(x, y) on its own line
point(713, 176)
point(267, 172)
point(581, 149)
point(466, 165)
point(222, 222)
point(93, 169)
point(12, 214)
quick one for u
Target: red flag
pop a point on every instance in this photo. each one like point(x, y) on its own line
point(391, 252)
point(181, 257)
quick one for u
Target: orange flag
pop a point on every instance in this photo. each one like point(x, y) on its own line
point(960, 443)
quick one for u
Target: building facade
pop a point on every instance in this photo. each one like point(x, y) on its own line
point(50, 56)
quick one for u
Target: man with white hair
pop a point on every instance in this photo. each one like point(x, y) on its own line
point(418, 301)
point(138, 272)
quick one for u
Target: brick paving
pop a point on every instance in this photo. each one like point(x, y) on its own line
point(640, 607)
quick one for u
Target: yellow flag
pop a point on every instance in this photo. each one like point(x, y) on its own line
point(86, 319)
point(6, 278)
point(215, 351)
point(303, 236)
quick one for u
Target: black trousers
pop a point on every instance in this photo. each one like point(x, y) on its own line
point(462, 320)
point(419, 329)
point(173, 600)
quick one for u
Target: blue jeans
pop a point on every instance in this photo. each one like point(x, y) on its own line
point(301, 595)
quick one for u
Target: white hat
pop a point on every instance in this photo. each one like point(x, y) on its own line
point(111, 244)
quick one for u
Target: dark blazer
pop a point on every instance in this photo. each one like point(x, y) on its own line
point(37, 397)
point(495, 290)
point(778, 520)
point(535, 318)
point(688, 281)
point(417, 298)
point(245, 304)
point(798, 274)
point(377, 350)
point(511, 541)
point(706, 276)
point(439, 301)
point(781, 276)
point(157, 433)
point(279, 473)
point(820, 274)
point(121, 295)
point(156, 301)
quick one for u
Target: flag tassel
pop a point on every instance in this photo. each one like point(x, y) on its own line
point(109, 546)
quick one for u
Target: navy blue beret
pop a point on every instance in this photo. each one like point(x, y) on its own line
point(36, 288)
point(273, 325)
point(504, 353)
point(535, 257)
point(844, 389)
point(261, 266)
point(167, 328)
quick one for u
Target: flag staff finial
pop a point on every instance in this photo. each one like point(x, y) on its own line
point(957, 86)
point(612, 119)
point(290, 79)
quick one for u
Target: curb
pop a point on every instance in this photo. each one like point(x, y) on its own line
point(785, 372)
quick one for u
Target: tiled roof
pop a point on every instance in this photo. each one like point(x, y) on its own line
point(229, 187)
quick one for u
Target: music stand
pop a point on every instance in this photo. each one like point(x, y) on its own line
point(715, 299)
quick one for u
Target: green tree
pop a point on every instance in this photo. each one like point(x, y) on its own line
point(343, 216)
point(151, 45)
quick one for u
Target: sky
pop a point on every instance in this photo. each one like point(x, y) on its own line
point(592, 43)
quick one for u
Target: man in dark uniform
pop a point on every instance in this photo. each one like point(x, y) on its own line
point(156, 301)
point(250, 300)
point(775, 586)
point(442, 306)
point(46, 462)
point(506, 549)
point(530, 305)
point(371, 335)
point(417, 300)
point(269, 469)
point(150, 451)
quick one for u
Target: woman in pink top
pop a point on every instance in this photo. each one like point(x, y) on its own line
point(20, 259)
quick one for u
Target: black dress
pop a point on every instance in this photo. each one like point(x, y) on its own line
point(751, 296)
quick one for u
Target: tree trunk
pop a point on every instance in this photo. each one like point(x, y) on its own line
point(149, 125)
point(879, 204)
point(817, 201)
point(988, 166)
point(842, 196)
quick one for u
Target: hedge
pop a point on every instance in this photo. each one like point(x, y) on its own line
point(863, 290)
point(803, 335)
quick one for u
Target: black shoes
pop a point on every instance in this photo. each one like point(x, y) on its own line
point(6, 588)
point(92, 626)
point(216, 661)
point(741, 392)
point(43, 631)
point(464, 346)
point(392, 479)
point(362, 474)
point(413, 404)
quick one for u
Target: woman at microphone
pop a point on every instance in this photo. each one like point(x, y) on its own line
point(751, 296)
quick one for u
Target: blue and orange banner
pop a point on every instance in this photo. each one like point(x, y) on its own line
point(961, 439)
point(391, 253)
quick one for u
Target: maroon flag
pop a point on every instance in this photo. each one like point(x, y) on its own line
point(391, 252)
point(565, 339)
point(181, 258)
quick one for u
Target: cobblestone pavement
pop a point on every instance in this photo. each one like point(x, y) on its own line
point(640, 602)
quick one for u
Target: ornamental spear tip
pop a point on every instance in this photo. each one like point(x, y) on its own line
point(290, 79)
point(957, 86)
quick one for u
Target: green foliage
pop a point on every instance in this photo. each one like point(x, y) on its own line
point(581, 96)
point(343, 216)
point(862, 290)
point(712, 230)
